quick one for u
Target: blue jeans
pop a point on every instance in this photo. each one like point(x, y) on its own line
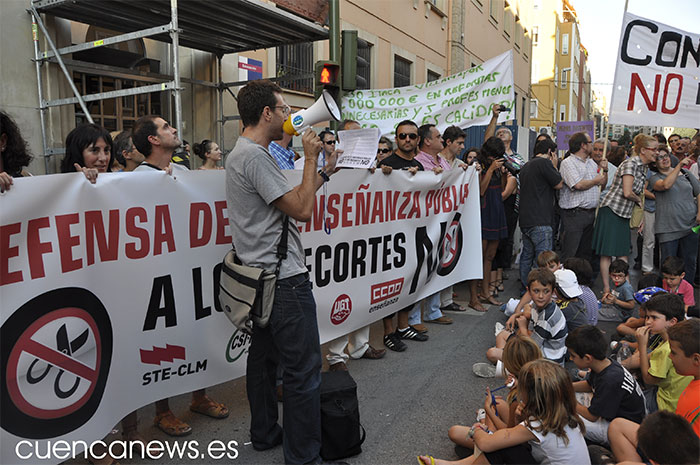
point(291, 339)
point(687, 248)
point(434, 312)
point(536, 239)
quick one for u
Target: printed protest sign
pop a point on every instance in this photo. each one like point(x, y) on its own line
point(463, 99)
point(656, 78)
point(108, 298)
point(566, 129)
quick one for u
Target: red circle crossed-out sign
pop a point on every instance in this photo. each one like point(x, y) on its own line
point(55, 360)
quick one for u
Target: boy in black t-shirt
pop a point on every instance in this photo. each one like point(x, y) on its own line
point(615, 391)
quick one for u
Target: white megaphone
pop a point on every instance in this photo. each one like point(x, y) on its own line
point(324, 109)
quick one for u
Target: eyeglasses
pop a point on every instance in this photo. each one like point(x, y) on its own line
point(662, 157)
point(411, 136)
point(330, 142)
point(653, 150)
point(286, 109)
point(383, 150)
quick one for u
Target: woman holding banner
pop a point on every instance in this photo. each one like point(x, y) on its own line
point(14, 154)
point(611, 237)
point(493, 216)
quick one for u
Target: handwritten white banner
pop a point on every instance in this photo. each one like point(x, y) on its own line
point(656, 78)
point(463, 99)
point(106, 290)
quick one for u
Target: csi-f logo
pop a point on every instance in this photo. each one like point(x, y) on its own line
point(341, 309)
point(237, 346)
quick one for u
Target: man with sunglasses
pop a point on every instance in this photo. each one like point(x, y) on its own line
point(402, 159)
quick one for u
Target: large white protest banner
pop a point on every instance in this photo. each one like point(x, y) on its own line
point(106, 290)
point(463, 99)
point(656, 78)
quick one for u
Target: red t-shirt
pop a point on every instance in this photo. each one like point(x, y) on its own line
point(689, 405)
point(684, 290)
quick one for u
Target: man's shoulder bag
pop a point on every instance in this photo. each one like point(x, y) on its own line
point(246, 293)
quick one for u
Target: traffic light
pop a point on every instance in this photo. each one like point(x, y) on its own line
point(354, 64)
point(328, 78)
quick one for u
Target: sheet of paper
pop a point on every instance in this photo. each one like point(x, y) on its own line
point(359, 147)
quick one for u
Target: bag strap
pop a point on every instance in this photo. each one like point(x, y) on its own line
point(282, 246)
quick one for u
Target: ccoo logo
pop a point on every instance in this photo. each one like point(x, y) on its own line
point(340, 311)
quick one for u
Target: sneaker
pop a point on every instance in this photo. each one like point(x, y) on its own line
point(484, 370)
point(393, 342)
point(412, 334)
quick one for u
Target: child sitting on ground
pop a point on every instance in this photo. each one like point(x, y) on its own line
point(584, 275)
point(673, 274)
point(615, 391)
point(630, 327)
point(684, 342)
point(568, 301)
point(664, 438)
point(551, 431)
point(618, 304)
point(547, 259)
point(664, 384)
point(549, 324)
point(646, 288)
point(517, 352)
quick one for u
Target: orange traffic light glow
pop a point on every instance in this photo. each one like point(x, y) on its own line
point(325, 76)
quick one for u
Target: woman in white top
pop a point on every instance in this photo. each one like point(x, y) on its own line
point(552, 432)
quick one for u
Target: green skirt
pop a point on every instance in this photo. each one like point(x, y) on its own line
point(611, 236)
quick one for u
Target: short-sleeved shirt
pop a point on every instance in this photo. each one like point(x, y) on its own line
point(574, 170)
point(675, 208)
point(616, 394)
point(549, 332)
point(689, 405)
point(428, 161)
point(400, 163)
point(253, 182)
point(145, 166)
point(684, 290)
point(284, 157)
point(672, 384)
point(537, 180)
point(615, 199)
point(624, 292)
point(575, 312)
point(549, 449)
point(591, 301)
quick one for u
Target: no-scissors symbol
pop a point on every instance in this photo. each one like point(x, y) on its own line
point(56, 370)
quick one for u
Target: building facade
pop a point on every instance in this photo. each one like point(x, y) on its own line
point(410, 42)
point(561, 80)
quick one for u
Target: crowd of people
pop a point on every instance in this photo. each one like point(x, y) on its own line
point(596, 206)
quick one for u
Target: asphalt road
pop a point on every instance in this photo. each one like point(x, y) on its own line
point(408, 400)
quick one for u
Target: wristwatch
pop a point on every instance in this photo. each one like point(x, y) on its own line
point(323, 174)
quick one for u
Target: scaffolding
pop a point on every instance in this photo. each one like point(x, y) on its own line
point(220, 27)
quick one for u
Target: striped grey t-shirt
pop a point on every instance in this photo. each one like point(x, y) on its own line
point(550, 332)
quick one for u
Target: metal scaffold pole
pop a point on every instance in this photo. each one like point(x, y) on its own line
point(42, 106)
point(175, 37)
point(220, 91)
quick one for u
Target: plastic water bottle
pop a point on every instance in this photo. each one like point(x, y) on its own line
point(624, 353)
point(696, 229)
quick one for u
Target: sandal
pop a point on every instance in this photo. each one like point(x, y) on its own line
point(477, 306)
point(208, 407)
point(499, 285)
point(493, 290)
point(171, 425)
point(431, 460)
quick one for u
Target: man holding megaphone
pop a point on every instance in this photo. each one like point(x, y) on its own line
point(259, 199)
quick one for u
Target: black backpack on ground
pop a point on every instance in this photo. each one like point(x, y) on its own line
point(340, 416)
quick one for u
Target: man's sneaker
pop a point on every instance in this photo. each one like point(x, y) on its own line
point(412, 334)
point(392, 342)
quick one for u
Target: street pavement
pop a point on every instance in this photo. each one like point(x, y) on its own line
point(408, 400)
